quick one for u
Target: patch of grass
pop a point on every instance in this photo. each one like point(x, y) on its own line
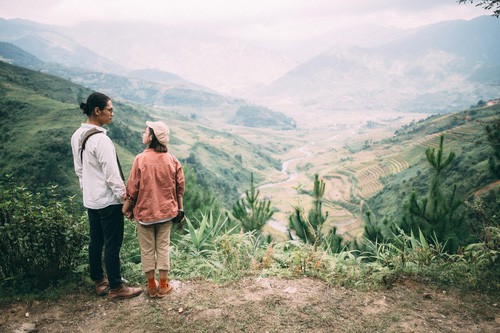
point(153, 316)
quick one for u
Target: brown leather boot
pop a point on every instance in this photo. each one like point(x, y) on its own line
point(102, 287)
point(164, 289)
point(124, 292)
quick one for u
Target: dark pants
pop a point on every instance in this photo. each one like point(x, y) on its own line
point(106, 230)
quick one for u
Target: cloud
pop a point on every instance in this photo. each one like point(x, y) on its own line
point(266, 16)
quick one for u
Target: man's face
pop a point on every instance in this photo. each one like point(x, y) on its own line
point(105, 115)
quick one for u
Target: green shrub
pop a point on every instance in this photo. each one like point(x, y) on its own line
point(40, 244)
point(476, 267)
point(198, 199)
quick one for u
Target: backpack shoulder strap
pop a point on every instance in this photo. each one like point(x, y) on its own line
point(85, 137)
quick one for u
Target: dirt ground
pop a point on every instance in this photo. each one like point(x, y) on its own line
point(261, 305)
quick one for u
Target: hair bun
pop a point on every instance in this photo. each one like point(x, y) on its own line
point(83, 106)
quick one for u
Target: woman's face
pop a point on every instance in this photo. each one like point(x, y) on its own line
point(147, 137)
point(104, 116)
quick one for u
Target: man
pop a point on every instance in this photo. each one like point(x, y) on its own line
point(98, 170)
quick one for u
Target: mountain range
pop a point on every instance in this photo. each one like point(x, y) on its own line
point(451, 64)
point(429, 69)
point(152, 87)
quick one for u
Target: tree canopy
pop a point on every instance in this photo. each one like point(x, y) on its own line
point(486, 4)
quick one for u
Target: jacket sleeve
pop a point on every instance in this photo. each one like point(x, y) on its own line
point(134, 182)
point(106, 155)
point(179, 178)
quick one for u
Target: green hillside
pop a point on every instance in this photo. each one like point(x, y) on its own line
point(255, 116)
point(379, 175)
point(39, 112)
point(464, 134)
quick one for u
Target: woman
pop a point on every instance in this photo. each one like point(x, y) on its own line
point(154, 193)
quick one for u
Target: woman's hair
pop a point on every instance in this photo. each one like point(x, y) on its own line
point(155, 144)
point(96, 99)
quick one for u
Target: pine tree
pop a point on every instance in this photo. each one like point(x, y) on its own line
point(309, 229)
point(437, 214)
point(334, 243)
point(316, 217)
point(251, 212)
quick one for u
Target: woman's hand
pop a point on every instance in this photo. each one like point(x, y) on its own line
point(127, 210)
point(129, 215)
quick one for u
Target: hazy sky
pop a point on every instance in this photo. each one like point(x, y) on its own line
point(271, 19)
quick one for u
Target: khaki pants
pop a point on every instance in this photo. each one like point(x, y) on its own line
point(154, 241)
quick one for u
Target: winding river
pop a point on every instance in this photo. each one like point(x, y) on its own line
point(284, 169)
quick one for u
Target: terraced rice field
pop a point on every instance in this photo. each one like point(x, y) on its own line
point(367, 177)
point(349, 178)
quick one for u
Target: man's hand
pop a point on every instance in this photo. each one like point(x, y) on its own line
point(127, 210)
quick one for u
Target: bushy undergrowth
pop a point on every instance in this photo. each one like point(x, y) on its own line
point(475, 267)
point(40, 244)
point(220, 252)
point(43, 244)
